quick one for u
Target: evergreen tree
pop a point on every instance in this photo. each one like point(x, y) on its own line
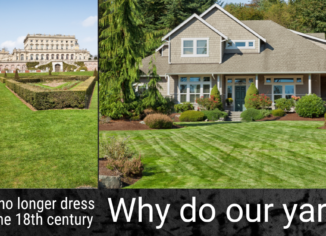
point(5, 74)
point(123, 43)
point(50, 71)
point(249, 95)
point(95, 73)
point(216, 93)
point(16, 74)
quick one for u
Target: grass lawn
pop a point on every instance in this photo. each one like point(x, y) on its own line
point(272, 154)
point(47, 149)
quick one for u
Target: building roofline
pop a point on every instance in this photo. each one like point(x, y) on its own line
point(232, 17)
point(187, 20)
point(308, 36)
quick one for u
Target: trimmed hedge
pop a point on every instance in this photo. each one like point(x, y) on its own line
point(192, 116)
point(3, 79)
point(251, 114)
point(42, 99)
point(214, 114)
point(31, 65)
point(43, 67)
point(278, 112)
point(310, 106)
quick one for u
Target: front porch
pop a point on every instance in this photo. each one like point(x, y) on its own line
point(186, 88)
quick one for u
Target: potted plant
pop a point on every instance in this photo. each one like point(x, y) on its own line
point(229, 101)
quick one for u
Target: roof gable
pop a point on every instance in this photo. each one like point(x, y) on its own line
point(233, 18)
point(188, 20)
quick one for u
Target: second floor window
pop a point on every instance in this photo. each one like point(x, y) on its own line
point(194, 48)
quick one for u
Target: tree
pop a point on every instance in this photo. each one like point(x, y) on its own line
point(252, 90)
point(5, 74)
point(122, 46)
point(245, 11)
point(50, 71)
point(16, 74)
point(310, 15)
point(95, 73)
point(216, 93)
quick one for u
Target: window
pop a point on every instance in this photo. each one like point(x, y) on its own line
point(72, 56)
point(229, 81)
point(299, 80)
point(47, 47)
point(61, 41)
point(240, 44)
point(240, 81)
point(31, 40)
point(66, 47)
point(42, 57)
point(41, 41)
point(36, 46)
point(41, 46)
point(61, 47)
point(36, 40)
point(22, 57)
point(31, 57)
point(31, 46)
point(52, 56)
point(194, 48)
point(251, 80)
point(71, 41)
point(47, 40)
point(229, 91)
point(191, 88)
point(57, 47)
point(283, 80)
point(52, 47)
point(283, 91)
point(66, 41)
point(36, 57)
point(268, 80)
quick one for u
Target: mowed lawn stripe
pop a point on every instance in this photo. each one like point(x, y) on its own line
point(275, 154)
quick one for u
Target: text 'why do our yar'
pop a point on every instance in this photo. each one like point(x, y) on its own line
point(207, 212)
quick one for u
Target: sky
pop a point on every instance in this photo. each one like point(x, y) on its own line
point(67, 17)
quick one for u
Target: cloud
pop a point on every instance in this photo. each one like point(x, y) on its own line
point(90, 39)
point(89, 21)
point(19, 43)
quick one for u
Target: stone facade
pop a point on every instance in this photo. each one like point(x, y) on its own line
point(45, 48)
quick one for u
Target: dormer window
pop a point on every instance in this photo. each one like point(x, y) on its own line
point(194, 47)
point(240, 44)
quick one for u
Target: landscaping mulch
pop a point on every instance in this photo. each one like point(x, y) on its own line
point(291, 116)
point(130, 125)
point(126, 181)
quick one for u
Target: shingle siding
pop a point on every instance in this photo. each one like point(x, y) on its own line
point(195, 29)
point(232, 29)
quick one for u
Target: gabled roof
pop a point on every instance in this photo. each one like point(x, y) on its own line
point(164, 44)
point(189, 19)
point(290, 53)
point(232, 17)
point(308, 36)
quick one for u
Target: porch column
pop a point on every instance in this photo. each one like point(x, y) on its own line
point(168, 85)
point(218, 83)
point(256, 81)
point(309, 84)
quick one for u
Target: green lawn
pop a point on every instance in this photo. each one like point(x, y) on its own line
point(273, 154)
point(47, 149)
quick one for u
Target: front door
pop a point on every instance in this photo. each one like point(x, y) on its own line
point(57, 68)
point(240, 94)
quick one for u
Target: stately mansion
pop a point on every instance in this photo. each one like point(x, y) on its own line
point(45, 48)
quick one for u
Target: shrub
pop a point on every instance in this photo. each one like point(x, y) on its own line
point(210, 103)
point(115, 148)
point(5, 74)
point(310, 106)
point(251, 114)
point(192, 116)
point(50, 72)
point(265, 112)
point(278, 112)
point(158, 121)
point(216, 94)
point(252, 90)
point(95, 73)
point(134, 118)
point(214, 114)
point(16, 75)
point(186, 106)
point(82, 68)
point(120, 157)
point(165, 108)
point(127, 167)
point(284, 104)
point(260, 101)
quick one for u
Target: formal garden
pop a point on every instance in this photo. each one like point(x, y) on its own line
point(52, 148)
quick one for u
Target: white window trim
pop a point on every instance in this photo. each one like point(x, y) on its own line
point(139, 85)
point(245, 47)
point(188, 83)
point(272, 77)
point(194, 47)
point(233, 84)
point(283, 90)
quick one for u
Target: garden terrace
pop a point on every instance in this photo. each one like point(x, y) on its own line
point(34, 92)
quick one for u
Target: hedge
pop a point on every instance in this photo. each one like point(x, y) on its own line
point(31, 65)
point(3, 79)
point(42, 99)
point(44, 78)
